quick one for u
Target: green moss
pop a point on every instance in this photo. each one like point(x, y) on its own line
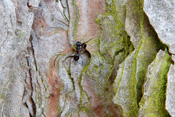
point(116, 86)
point(155, 101)
point(133, 95)
point(111, 10)
point(59, 110)
point(82, 106)
point(148, 45)
point(112, 27)
point(120, 41)
point(133, 106)
point(108, 74)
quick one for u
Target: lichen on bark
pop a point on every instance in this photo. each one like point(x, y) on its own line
point(131, 74)
point(153, 100)
point(122, 72)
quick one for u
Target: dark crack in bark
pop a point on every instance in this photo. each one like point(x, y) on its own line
point(28, 92)
point(33, 52)
point(33, 114)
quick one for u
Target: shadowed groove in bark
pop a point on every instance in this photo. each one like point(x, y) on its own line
point(31, 88)
point(33, 52)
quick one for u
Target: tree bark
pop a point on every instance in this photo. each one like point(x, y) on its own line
point(126, 59)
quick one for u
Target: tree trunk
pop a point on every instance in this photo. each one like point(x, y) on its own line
point(123, 71)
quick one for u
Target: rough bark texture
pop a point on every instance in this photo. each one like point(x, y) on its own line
point(126, 70)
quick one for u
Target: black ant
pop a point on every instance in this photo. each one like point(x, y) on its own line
point(79, 47)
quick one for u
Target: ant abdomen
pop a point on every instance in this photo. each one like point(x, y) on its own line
point(76, 57)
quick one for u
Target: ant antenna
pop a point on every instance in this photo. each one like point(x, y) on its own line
point(90, 39)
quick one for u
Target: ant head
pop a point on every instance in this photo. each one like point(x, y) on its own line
point(76, 57)
point(78, 43)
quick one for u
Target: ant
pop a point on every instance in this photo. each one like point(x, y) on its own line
point(79, 47)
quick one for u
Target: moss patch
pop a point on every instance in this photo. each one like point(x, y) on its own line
point(113, 39)
point(153, 101)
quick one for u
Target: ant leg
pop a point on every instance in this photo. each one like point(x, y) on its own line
point(67, 58)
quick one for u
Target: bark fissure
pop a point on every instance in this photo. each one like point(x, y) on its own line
point(32, 102)
point(33, 52)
